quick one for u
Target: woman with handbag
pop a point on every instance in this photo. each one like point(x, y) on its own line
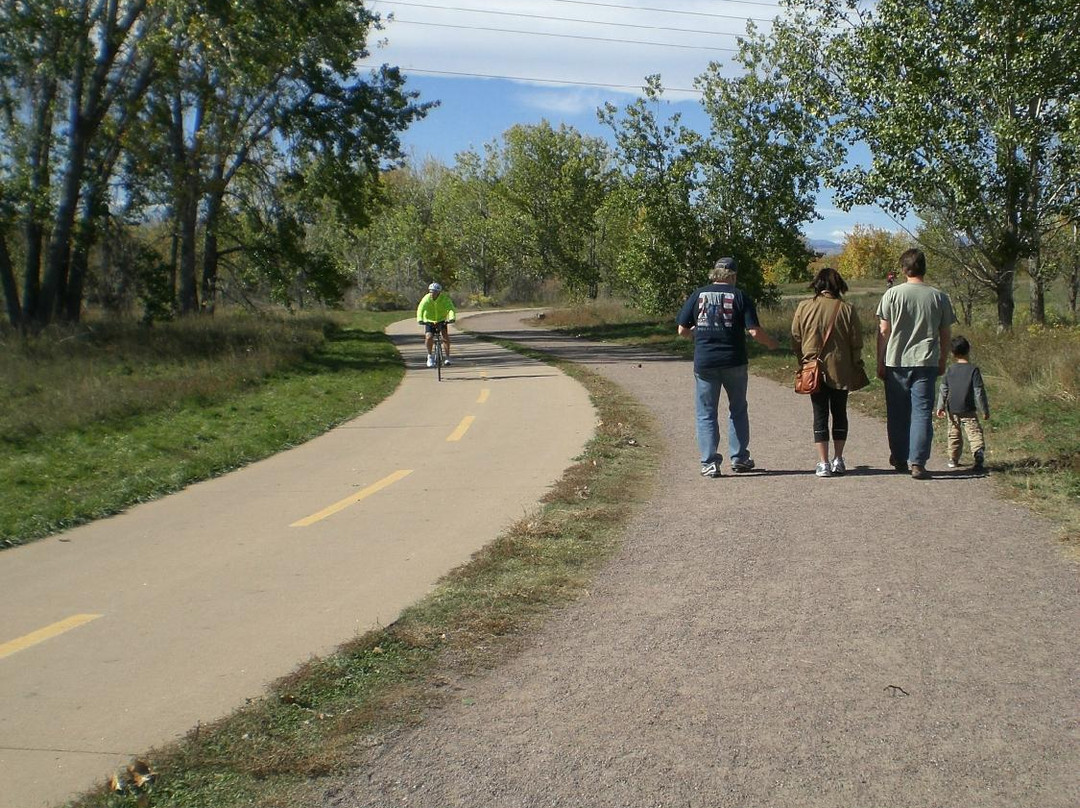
point(826, 335)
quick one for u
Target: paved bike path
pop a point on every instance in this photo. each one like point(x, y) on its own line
point(773, 640)
point(176, 611)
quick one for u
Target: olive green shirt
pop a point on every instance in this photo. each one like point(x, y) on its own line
point(916, 313)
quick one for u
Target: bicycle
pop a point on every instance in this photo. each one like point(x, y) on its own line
point(438, 330)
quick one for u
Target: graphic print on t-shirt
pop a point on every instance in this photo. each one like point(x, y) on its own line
point(716, 310)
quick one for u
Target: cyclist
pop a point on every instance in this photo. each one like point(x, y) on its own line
point(434, 312)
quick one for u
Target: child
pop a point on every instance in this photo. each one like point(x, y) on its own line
point(962, 393)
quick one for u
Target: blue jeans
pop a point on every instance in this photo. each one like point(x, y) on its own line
point(709, 383)
point(909, 408)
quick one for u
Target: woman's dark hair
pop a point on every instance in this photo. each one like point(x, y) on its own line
point(828, 280)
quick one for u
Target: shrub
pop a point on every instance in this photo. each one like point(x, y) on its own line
point(384, 300)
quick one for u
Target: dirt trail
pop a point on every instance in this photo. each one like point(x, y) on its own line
point(774, 639)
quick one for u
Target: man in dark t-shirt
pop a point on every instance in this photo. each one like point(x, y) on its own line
point(718, 316)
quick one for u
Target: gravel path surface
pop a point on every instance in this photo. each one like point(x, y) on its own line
point(774, 639)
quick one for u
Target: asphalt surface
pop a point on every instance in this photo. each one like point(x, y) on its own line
point(772, 639)
point(125, 633)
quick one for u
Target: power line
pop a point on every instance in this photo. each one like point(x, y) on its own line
point(562, 36)
point(668, 10)
point(574, 19)
point(425, 71)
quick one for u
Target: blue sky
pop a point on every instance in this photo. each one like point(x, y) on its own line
point(492, 65)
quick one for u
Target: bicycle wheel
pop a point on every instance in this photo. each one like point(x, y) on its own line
point(438, 356)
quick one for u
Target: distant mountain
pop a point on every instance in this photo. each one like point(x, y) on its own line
point(825, 246)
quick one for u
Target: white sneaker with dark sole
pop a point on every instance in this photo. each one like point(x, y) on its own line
point(823, 470)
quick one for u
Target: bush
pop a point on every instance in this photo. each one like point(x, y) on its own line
point(479, 301)
point(384, 300)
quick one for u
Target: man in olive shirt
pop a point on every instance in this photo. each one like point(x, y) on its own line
point(914, 327)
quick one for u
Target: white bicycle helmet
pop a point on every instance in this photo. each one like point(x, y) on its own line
point(435, 287)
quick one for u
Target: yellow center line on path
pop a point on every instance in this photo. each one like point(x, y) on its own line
point(462, 428)
point(47, 633)
point(400, 474)
point(484, 393)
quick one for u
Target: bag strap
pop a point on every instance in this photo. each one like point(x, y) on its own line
point(832, 322)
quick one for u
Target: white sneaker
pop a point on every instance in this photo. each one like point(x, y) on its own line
point(838, 467)
point(446, 361)
point(823, 470)
point(430, 361)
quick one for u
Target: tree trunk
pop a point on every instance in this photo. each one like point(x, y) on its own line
point(58, 259)
point(11, 289)
point(188, 215)
point(1074, 288)
point(1005, 304)
point(210, 243)
point(1037, 304)
point(85, 238)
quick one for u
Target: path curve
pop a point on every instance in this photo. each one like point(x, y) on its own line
point(773, 639)
point(193, 603)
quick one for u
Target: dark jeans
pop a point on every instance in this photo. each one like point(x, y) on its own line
point(909, 405)
point(829, 400)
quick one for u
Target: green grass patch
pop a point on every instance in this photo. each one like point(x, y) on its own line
point(280, 750)
point(102, 418)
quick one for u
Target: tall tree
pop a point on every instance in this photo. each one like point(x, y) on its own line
point(559, 178)
point(762, 163)
point(109, 66)
point(871, 252)
point(666, 248)
point(968, 108)
point(482, 230)
point(271, 89)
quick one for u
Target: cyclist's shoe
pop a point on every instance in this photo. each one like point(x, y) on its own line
point(430, 361)
point(446, 361)
point(742, 466)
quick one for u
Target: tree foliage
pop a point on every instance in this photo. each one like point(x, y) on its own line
point(871, 252)
point(199, 109)
point(968, 107)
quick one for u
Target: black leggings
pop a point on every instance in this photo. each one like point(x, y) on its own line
point(828, 399)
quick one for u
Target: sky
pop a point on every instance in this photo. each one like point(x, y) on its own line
point(495, 64)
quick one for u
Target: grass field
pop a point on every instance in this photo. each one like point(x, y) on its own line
point(98, 418)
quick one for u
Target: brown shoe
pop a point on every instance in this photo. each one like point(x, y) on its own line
point(919, 473)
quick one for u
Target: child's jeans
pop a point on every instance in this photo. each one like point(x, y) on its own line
point(969, 423)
